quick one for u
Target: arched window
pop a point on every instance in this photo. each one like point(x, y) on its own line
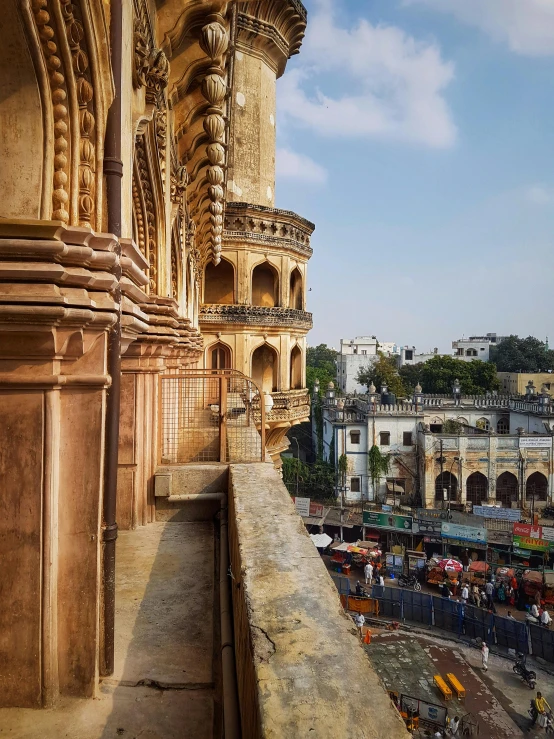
point(219, 283)
point(295, 368)
point(536, 486)
point(296, 297)
point(503, 425)
point(446, 481)
point(506, 489)
point(219, 357)
point(476, 488)
point(265, 368)
point(483, 423)
point(265, 285)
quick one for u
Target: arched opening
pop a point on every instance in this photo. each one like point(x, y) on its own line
point(536, 487)
point(506, 489)
point(471, 352)
point(265, 368)
point(503, 425)
point(476, 488)
point(446, 481)
point(483, 423)
point(296, 297)
point(296, 368)
point(219, 283)
point(265, 286)
point(219, 357)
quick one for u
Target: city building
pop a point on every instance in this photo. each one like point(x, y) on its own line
point(146, 278)
point(356, 354)
point(408, 355)
point(476, 347)
point(524, 383)
point(490, 435)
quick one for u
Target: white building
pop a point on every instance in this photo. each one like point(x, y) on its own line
point(358, 353)
point(476, 347)
point(409, 355)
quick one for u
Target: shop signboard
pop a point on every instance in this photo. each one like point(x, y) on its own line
point(464, 533)
point(548, 534)
point(427, 528)
point(535, 442)
point(526, 529)
point(527, 542)
point(501, 514)
point(388, 521)
point(430, 712)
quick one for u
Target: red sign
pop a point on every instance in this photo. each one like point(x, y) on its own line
point(316, 510)
point(525, 529)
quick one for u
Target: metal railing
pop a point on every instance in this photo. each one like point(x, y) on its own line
point(211, 416)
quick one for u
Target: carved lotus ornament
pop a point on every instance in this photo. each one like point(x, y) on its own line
point(214, 125)
point(214, 40)
point(215, 175)
point(216, 153)
point(214, 89)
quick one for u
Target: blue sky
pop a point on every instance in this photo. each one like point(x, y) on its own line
point(418, 135)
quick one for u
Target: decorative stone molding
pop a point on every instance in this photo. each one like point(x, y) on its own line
point(255, 316)
point(291, 406)
point(256, 223)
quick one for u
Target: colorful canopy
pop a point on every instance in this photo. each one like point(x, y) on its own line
point(478, 566)
point(450, 564)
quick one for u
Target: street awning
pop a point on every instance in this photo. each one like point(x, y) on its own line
point(321, 540)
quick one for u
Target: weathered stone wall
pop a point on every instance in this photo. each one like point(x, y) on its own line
point(301, 669)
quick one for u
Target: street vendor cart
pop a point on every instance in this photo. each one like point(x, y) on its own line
point(531, 583)
point(548, 589)
point(477, 573)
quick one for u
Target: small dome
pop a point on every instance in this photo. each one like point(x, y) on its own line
point(418, 388)
point(371, 388)
point(331, 386)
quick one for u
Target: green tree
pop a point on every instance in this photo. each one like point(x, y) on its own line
point(382, 372)
point(522, 355)
point(378, 466)
point(450, 426)
point(410, 374)
point(476, 377)
point(320, 364)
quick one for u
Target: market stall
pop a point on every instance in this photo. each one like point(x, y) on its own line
point(531, 584)
point(548, 589)
point(445, 569)
point(477, 573)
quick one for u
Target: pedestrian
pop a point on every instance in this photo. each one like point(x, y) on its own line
point(368, 572)
point(465, 593)
point(455, 726)
point(510, 616)
point(476, 596)
point(545, 619)
point(359, 589)
point(535, 611)
point(485, 656)
point(359, 620)
point(538, 598)
point(489, 590)
point(381, 580)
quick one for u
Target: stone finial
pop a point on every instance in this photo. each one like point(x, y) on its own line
point(371, 388)
point(418, 388)
point(331, 386)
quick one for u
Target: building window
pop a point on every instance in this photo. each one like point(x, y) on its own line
point(407, 438)
point(471, 353)
point(409, 354)
point(503, 425)
point(364, 351)
point(384, 438)
point(354, 437)
point(459, 352)
point(354, 484)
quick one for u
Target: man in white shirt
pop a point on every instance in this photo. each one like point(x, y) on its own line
point(485, 656)
point(489, 590)
point(359, 620)
point(535, 611)
point(381, 580)
point(465, 593)
point(545, 619)
point(368, 572)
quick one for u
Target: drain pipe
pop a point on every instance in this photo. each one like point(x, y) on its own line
point(231, 710)
point(113, 172)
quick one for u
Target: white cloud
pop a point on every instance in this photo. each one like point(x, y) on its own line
point(295, 166)
point(392, 84)
point(527, 26)
point(540, 195)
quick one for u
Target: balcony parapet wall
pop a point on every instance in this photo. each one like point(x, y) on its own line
point(295, 647)
point(256, 316)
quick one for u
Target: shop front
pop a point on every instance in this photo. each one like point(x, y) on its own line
point(466, 543)
point(428, 537)
point(529, 547)
point(394, 531)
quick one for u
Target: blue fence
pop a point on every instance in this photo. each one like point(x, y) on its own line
point(512, 634)
point(542, 642)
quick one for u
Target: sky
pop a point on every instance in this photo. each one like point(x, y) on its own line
point(418, 135)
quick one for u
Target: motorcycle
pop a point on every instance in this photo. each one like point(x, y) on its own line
point(520, 669)
point(544, 720)
point(409, 581)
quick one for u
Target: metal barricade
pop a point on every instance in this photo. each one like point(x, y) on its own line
point(542, 642)
point(211, 416)
point(390, 601)
point(511, 634)
point(476, 623)
point(447, 614)
point(417, 607)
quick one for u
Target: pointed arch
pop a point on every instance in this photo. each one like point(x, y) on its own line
point(483, 423)
point(219, 283)
point(296, 290)
point(219, 356)
point(265, 285)
point(506, 489)
point(476, 488)
point(296, 368)
point(446, 481)
point(503, 425)
point(536, 486)
point(265, 368)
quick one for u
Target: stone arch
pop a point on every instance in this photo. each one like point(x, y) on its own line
point(446, 480)
point(296, 368)
point(265, 368)
point(536, 485)
point(483, 423)
point(296, 292)
point(503, 425)
point(265, 285)
point(506, 489)
point(219, 283)
point(477, 487)
point(219, 356)
point(176, 263)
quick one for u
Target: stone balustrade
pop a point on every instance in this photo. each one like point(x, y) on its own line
point(255, 315)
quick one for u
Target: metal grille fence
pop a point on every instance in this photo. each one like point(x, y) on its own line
point(211, 416)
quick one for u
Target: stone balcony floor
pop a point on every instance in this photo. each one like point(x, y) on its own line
point(165, 684)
